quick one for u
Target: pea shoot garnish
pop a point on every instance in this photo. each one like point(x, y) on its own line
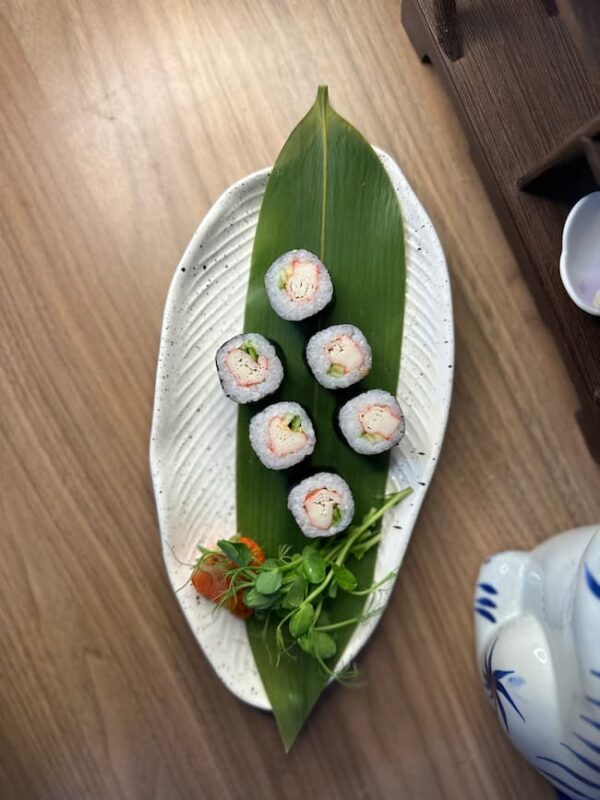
point(295, 588)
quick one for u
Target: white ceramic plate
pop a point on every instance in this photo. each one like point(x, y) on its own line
point(192, 452)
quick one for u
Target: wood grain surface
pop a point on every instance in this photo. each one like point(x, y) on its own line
point(121, 121)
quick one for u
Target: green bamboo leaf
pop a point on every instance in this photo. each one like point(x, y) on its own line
point(328, 193)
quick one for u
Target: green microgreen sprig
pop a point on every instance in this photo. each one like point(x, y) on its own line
point(298, 588)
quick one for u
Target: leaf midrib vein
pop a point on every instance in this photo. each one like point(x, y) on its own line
point(323, 117)
point(325, 166)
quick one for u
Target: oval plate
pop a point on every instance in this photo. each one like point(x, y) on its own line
point(193, 439)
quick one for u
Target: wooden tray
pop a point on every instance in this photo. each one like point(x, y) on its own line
point(524, 80)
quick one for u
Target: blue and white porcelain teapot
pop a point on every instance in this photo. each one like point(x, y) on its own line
point(537, 631)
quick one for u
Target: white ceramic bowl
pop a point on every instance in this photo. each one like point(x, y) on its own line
point(580, 257)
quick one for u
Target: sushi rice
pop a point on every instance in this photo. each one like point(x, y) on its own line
point(298, 285)
point(339, 356)
point(248, 367)
point(372, 422)
point(322, 505)
point(282, 435)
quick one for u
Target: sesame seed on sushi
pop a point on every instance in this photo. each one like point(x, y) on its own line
point(322, 505)
point(248, 367)
point(298, 285)
point(339, 356)
point(373, 422)
point(282, 435)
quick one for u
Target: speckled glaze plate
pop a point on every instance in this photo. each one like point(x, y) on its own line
point(193, 439)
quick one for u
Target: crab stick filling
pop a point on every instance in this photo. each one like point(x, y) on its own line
point(345, 355)
point(246, 366)
point(321, 506)
point(300, 280)
point(286, 435)
point(379, 421)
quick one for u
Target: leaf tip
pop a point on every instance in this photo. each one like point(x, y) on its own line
point(323, 96)
point(289, 736)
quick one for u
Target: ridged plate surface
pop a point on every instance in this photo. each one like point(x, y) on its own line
point(193, 440)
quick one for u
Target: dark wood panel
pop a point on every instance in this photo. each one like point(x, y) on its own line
point(521, 91)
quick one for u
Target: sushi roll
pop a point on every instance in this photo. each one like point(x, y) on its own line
point(248, 367)
point(372, 422)
point(282, 435)
point(339, 356)
point(322, 505)
point(298, 285)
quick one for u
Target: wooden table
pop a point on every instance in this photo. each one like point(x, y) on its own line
point(120, 123)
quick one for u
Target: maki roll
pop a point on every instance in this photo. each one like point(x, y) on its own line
point(322, 505)
point(249, 368)
point(298, 285)
point(282, 435)
point(339, 356)
point(372, 422)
